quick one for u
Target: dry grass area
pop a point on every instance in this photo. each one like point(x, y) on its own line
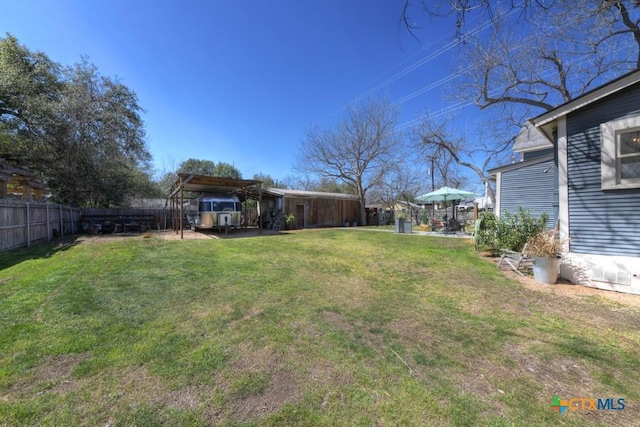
point(565, 288)
point(322, 327)
point(172, 235)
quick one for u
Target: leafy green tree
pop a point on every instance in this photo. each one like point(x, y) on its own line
point(197, 167)
point(98, 146)
point(165, 182)
point(30, 89)
point(226, 170)
point(81, 131)
point(207, 167)
point(267, 181)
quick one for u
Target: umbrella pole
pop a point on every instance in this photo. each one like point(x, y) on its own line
point(445, 209)
point(433, 211)
point(453, 209)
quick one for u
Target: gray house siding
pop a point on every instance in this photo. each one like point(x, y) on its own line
point(600, 222)
point(531, 188)
point(536, 154)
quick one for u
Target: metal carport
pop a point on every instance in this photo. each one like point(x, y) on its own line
point(243, 188)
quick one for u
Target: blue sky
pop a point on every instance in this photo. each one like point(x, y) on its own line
point(241, 81)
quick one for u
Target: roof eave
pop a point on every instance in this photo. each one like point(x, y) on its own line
point(545, 122)
point(518, 165)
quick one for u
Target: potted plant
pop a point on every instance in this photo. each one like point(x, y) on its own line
point(545, 248)
point(289, 221)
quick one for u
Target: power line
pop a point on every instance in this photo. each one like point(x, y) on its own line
point(450, 45)
point(430, 86)
point(462, 104)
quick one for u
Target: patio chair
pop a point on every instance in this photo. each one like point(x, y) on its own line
point(514, 259)
point(436, 224)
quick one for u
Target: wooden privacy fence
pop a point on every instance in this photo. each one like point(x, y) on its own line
point(24, 223)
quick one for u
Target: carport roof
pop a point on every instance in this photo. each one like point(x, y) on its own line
point(209, 184)
point(280, 192)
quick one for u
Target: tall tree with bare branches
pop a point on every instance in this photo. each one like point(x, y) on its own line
point(521, 58)
point(359, 150)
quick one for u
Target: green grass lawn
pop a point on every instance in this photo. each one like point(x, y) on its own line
point(327, 327)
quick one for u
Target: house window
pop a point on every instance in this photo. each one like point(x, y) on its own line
point(621, 154)
point(628, 153)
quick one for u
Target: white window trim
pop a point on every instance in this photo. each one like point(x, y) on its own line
point(608, 152)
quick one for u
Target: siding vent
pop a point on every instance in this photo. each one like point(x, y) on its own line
point(610, 276)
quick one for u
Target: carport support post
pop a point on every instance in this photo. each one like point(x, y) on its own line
point(174, 213)
point(181, 209)
point(245, 210)
point(259, 209)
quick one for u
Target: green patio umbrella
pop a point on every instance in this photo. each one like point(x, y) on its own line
point(444, 194)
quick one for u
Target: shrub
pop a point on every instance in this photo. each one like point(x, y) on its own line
point(425, 217)
point(509, 231)
point(485, 235)
point(515, 229)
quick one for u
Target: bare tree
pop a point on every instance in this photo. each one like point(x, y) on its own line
point(436, 142)
point(524, 58)
point(556, 54)
point(358, 151)
point(299, 181)
point(402, 183)
point(595, 20)
point(538, 53)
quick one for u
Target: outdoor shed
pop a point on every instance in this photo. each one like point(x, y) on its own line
point(310, 208)
point(20, 183)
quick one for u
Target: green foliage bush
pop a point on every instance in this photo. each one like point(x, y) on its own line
point(509, 231)
point(485, 234)
point(425, 217)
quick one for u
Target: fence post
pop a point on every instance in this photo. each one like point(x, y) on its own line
point(48, 224)
point(28, 225)
point(61, 221)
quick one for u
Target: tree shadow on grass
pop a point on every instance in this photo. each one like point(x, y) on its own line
point(35, 251)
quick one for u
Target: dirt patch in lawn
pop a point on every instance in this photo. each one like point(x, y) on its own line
point(171, 235)
point(54, 375)
point(259, 383)
point(567, 289)
point(562, 376)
